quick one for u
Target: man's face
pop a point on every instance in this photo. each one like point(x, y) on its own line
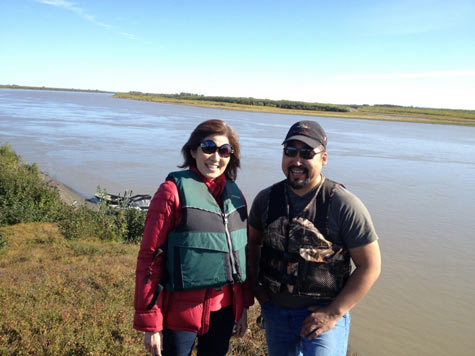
point(303, 174)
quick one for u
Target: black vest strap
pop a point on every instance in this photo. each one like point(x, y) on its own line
point(278, 205)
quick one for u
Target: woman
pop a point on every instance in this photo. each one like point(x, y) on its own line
point(191, 264)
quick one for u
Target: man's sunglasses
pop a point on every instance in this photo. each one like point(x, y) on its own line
point(209, 147)
point(305, 152)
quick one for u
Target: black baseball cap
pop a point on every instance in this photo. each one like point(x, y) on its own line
point(309, 132)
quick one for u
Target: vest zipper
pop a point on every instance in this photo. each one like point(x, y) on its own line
point(230, 246)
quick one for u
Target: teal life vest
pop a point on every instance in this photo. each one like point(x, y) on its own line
point(207, 248)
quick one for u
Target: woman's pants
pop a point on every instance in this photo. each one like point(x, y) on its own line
point(214, 343)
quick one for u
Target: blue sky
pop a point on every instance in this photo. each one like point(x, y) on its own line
point(413, 52)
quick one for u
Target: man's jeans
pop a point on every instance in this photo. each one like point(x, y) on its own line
point(283, 334)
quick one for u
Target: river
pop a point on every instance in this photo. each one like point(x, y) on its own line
point(417, 180)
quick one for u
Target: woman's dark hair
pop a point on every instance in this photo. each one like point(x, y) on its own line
point(205, 129)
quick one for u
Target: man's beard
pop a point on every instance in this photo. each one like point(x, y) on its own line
point(297, 185)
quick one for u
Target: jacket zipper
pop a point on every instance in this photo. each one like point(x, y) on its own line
point(230, 245)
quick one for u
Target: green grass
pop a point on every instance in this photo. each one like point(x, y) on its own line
point(456, 116)
point(64, 297)
point(75, 297)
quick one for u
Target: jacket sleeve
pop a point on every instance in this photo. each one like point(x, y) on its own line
point(161, 218)
point(247, 293)
point(243, 293)
point(246, 287)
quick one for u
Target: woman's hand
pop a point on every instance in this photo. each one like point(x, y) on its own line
point(153, 343)
point(241, 325)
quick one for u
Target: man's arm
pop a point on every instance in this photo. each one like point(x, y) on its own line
point(367, 259)
point(254, 255)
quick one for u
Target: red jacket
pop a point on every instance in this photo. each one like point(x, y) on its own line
point(179, 310)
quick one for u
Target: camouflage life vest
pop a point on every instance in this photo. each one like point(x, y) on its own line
point(207, 248)
point(297, 255)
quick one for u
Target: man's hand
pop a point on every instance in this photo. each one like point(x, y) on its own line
point(367, 259)
point(318, 322)
point(153, 343)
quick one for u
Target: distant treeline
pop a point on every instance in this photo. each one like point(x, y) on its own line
point(13, 86)
point(372, 112)
point(282, 104)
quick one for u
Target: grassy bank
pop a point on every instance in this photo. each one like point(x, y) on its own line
point(375, 112)
point(65, 297)
point(75, 297)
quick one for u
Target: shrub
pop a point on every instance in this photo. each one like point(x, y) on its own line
point(23, 196)
point(135, 220)
point(78, 222)
point(107, 224)
point(125, 224)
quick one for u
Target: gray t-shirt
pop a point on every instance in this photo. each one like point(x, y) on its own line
point(349, 222)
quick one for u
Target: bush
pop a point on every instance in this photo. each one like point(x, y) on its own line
point(23, 196)
point(106, 223)
point(124, 224)
point(135, 220)
point(78, 222)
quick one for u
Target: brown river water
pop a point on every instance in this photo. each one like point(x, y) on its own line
point(417, 180)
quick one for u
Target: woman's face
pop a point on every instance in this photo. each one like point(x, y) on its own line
point(212, 165)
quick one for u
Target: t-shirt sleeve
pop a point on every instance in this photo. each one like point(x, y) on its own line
point(350, 220)
point(259, 210)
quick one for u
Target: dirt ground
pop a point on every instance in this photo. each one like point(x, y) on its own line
point(67, 194)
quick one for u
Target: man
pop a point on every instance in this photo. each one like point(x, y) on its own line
point(304, 232)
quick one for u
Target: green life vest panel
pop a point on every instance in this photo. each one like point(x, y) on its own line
point(207, 248)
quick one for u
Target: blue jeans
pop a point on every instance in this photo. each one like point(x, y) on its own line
point(214, 343)
point(283, 334)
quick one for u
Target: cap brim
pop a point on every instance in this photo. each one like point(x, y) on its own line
point(307, 140)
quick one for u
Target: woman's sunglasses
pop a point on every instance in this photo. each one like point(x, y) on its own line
point(305, 152)
point(209, 147)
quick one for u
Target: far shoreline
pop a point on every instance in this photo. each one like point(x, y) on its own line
point(429, 118)
point(27, 87)
point(356, 112)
